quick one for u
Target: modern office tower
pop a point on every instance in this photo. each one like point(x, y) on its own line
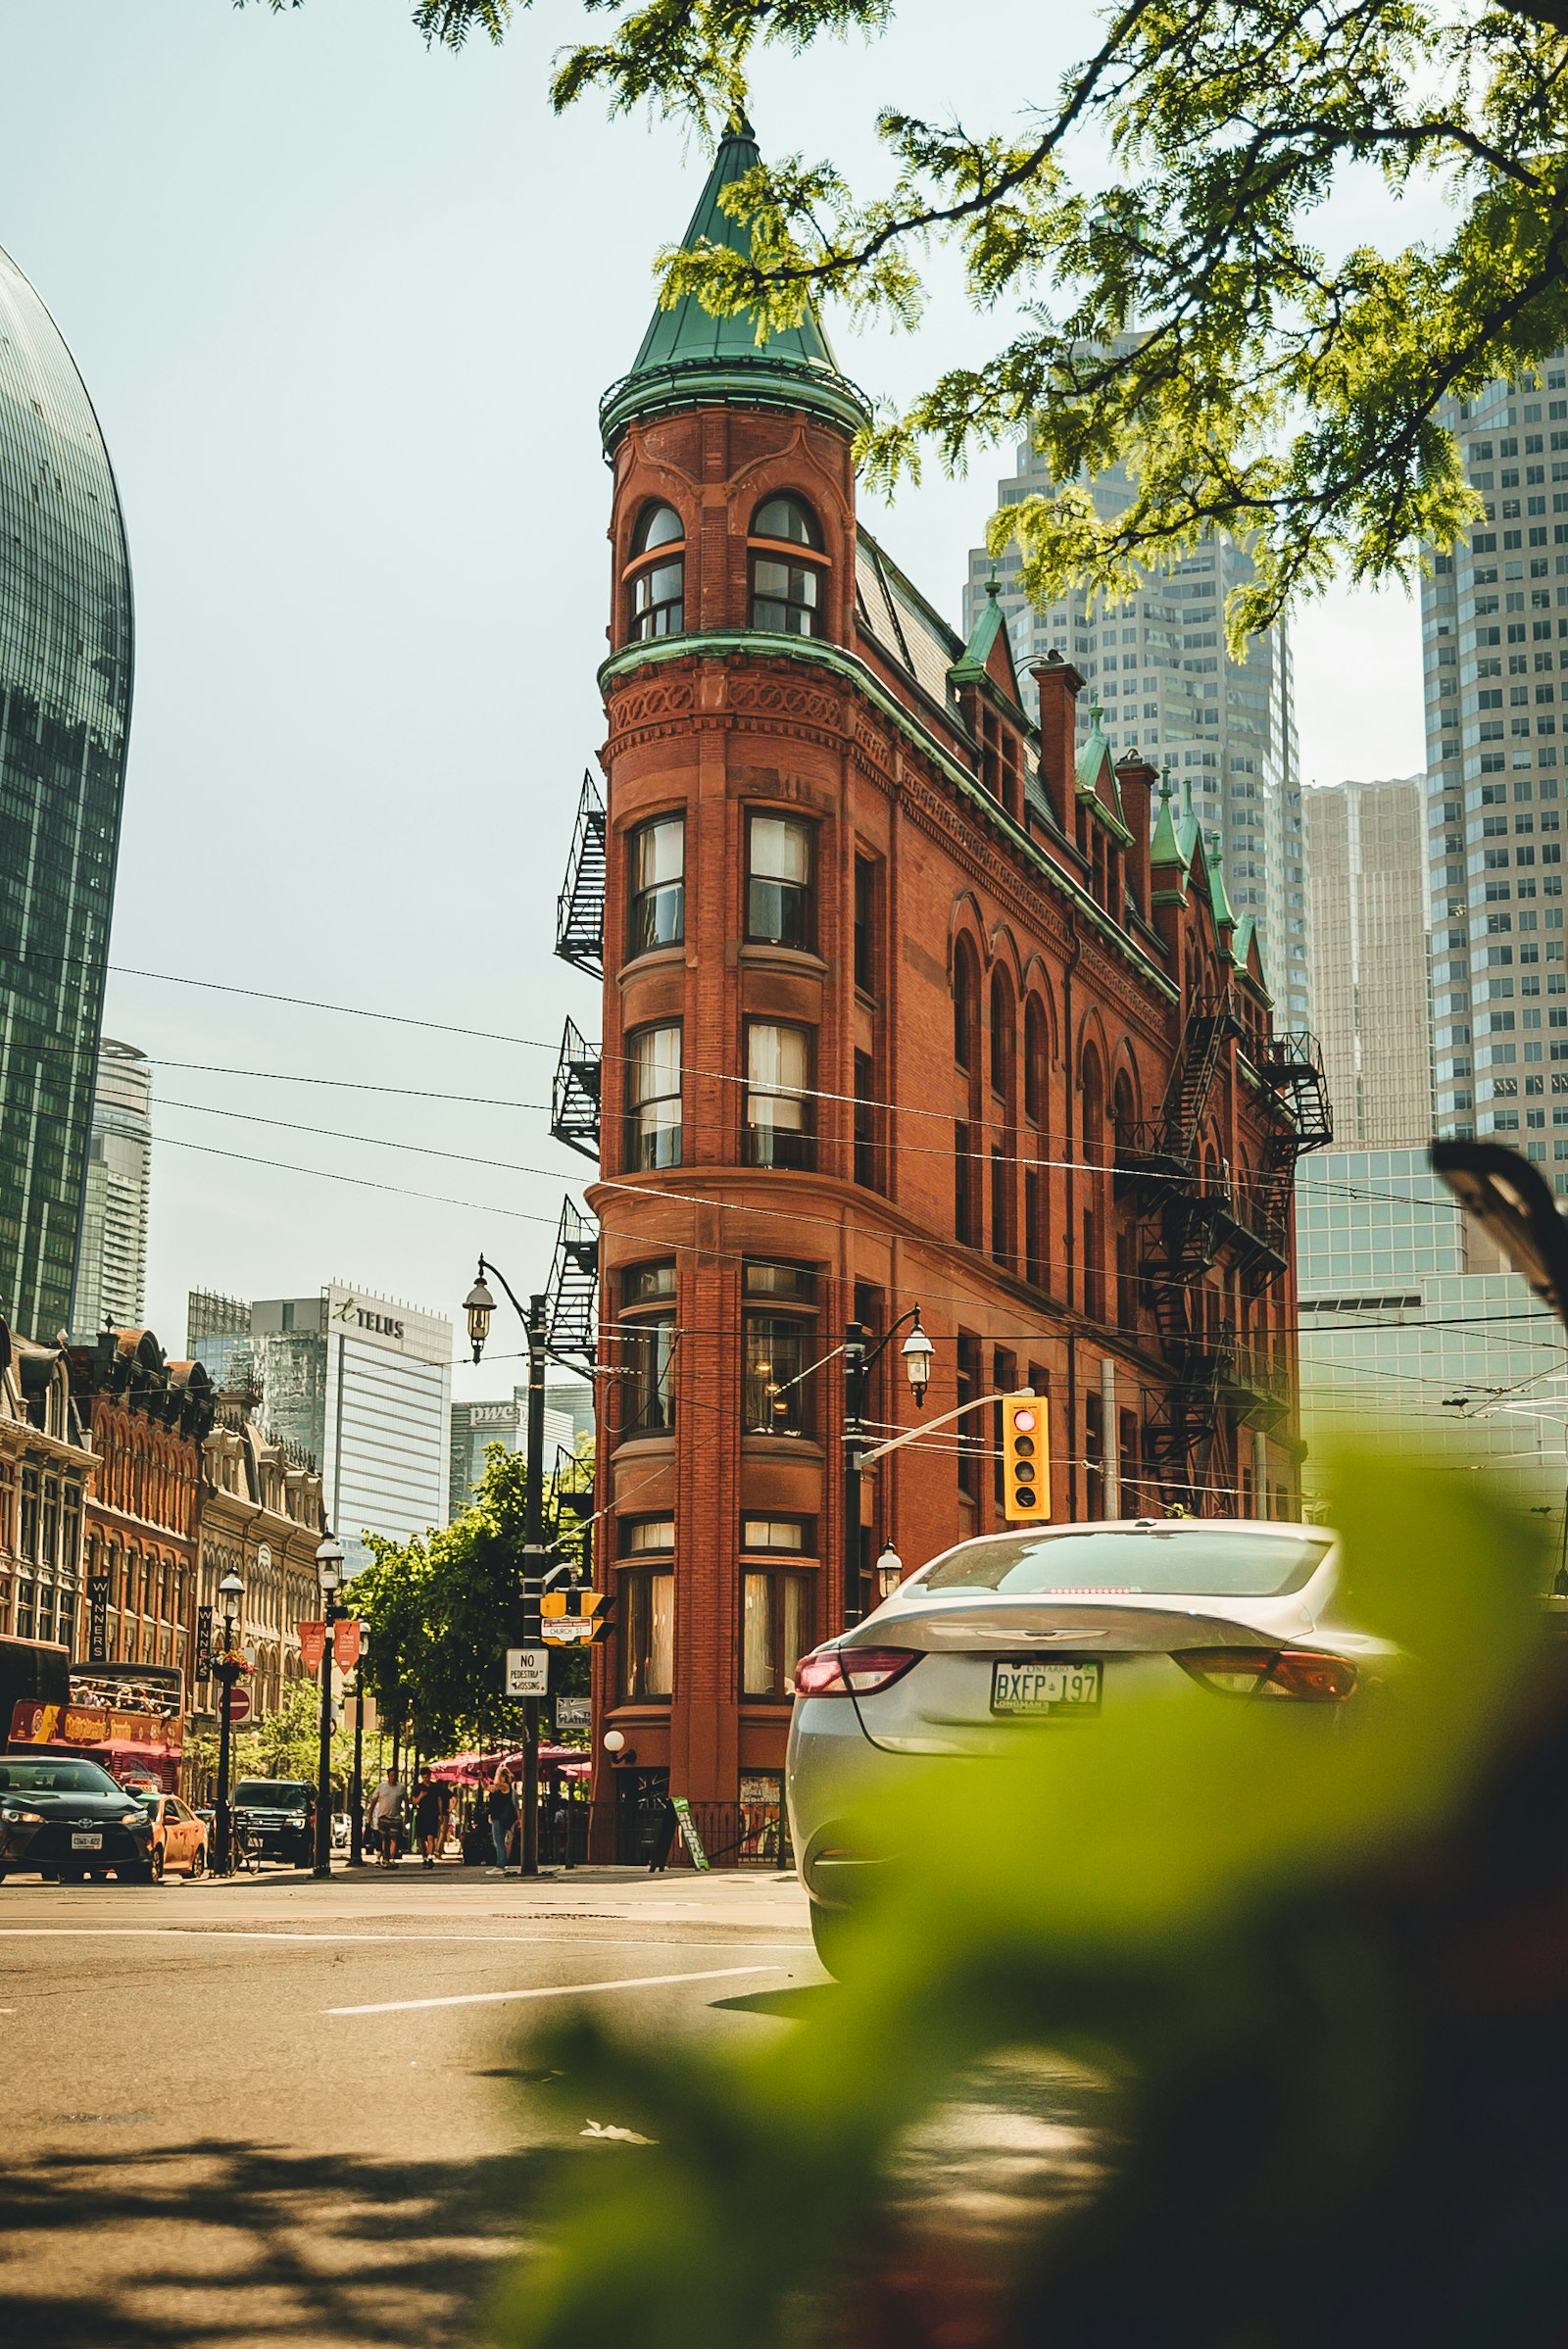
point(362, 1385)
point(1366, 903)
point(1414, 1335)
point(1156, 663)
point(65, 712)
point(217, 1335)
point(474, 1427)
point(1494, 644)
point(112, 1263)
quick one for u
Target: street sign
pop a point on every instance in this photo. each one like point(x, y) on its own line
point(569, 1631)
point(527, 1671)
point(573, 1712)
point(239, 1706)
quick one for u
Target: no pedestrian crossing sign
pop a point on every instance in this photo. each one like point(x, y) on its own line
point(527, 1671)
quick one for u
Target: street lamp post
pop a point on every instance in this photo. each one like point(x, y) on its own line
point(330, 1574)
point(230, 1590)
point(357, 1792)
point(858, 1364)
point(478, 1307)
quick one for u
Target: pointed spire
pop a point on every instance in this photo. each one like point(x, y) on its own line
point(1223, 916)
point(973, 663)
point(1165, 847)
point(690, 359)
point(1189, 830)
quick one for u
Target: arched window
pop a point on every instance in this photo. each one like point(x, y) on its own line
point(655, 576)
point(788, 590)
point(1002, 1051)
point(965, 1004)
point(1034, 1061)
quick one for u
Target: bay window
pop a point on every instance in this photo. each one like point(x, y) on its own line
point(658, 895)
point(652, 1098)
point(780, 1116)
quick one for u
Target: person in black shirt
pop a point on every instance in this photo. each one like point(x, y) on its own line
point(501, 1809)
point(429, 1818)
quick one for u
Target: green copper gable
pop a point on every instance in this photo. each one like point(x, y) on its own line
point(690, 359)
point(973, 665)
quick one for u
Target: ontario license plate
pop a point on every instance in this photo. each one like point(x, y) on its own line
point(86, 1842)
point(1025, 1686)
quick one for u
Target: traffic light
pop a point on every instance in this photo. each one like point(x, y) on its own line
point(1025, 1459)
point(577, 1618)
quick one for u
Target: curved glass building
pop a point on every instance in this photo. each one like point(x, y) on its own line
point(65, 714)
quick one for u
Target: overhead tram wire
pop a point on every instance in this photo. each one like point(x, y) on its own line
point(552, 1044)
point(954, 1298)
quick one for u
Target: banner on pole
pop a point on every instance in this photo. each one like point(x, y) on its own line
point(346, 1642)
point(312, 1644)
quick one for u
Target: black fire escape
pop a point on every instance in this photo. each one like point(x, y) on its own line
point(572, 1295)
point(1194, 1211)
point(580, 906)
point(574, 1095)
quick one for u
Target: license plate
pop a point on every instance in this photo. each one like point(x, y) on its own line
point(86, 1842)
point(1027, 1686)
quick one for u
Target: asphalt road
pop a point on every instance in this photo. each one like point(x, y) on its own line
point(275, 2112)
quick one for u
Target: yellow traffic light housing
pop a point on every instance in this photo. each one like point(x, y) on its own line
point(1025, 1459)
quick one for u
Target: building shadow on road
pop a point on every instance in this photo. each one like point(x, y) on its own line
point(186, 2246)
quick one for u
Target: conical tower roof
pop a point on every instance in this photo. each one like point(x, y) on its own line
point(690, 359)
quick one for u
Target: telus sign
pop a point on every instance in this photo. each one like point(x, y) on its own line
point(382, 1325)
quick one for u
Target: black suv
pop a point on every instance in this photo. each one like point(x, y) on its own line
point(278, 1816)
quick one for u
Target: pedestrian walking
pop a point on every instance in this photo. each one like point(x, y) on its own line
point(384, 1817)
point(501, 1809)
point(429, 1818)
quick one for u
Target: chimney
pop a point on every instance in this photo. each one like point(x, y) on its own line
point(1137, 779)
point(1059, 687)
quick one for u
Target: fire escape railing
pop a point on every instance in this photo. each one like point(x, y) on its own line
point(571, 1295)
point(580, 906)
point(575, 1094)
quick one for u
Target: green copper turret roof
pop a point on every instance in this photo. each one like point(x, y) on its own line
point(1218, 896)
point(1165, 847)
point(970, 667)
point(1188, 830)
point(690, 359)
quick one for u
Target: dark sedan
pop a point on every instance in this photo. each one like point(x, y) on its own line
point(68, 1819)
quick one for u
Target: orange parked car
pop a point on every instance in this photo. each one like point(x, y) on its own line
point(180, 1837)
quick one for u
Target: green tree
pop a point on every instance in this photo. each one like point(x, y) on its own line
point(1144, 231)
point(442, 1610)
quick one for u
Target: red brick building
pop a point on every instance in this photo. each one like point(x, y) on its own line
point(904, 1002)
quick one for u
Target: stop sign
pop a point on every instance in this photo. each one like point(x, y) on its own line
point(239, 1706)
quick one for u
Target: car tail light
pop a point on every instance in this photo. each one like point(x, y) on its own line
point(1301, 1672)
point(852, 1671)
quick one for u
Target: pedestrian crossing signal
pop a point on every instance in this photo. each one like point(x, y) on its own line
point(1025, 1459)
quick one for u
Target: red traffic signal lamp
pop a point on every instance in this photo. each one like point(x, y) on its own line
point(1025, 1459)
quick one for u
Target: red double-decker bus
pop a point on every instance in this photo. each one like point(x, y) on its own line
point(130, 1718)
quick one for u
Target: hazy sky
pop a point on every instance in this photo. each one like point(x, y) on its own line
point(346, 309)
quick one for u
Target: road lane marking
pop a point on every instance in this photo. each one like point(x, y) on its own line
point(562, 1989)
point(225, 1933)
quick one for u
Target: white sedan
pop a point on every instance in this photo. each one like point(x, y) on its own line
point(1053, 1626)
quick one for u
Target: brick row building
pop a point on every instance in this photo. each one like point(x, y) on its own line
point(121, 1468)
point(906, 1001)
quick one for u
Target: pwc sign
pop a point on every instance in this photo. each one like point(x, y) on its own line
point(1025, 1459)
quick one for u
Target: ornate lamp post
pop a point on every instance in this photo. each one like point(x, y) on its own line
point(330, 1574)
point(230, 1591)
point(917, 1351)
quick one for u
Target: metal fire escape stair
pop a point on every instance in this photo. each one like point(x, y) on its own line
point(572, 1297)
point(580, 906)
point(574, 1095)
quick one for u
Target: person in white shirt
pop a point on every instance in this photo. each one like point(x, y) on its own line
point(384, 1816)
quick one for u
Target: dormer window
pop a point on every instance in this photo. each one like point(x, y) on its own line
point(656, 576)
point(789, 580)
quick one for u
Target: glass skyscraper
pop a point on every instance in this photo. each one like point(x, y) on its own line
point(112, 1263)
point(1155, 662)
point(1495, 647)
point(64, 711)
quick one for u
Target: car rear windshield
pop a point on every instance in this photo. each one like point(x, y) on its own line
point(271, 1794)
point(56, 1777)
point(1161, 1563)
